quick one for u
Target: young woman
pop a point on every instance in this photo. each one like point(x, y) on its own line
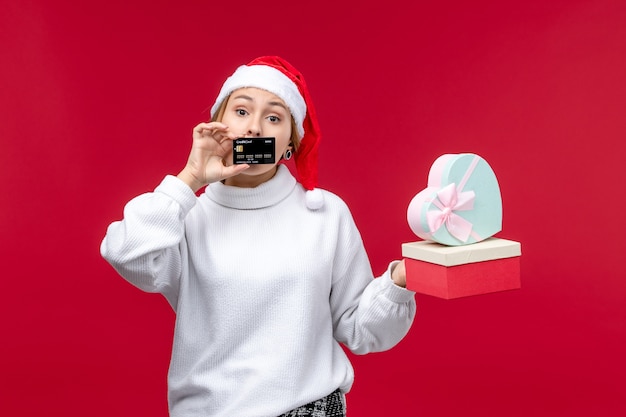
point(267, 274)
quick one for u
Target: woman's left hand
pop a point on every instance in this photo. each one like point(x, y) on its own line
point(398, 274)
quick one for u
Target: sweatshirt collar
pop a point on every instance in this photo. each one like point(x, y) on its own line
point(265, 195)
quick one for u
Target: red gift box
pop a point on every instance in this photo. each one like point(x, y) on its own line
point(459, 271)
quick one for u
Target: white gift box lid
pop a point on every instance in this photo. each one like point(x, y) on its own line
point(486, 250)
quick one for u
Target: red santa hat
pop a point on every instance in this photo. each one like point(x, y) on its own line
point(274, 74)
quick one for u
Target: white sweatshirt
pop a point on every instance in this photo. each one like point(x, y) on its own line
point(264, 291)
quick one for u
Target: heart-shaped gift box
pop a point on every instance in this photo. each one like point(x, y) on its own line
point(461, 204)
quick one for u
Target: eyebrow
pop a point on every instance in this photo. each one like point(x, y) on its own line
point(271, 103)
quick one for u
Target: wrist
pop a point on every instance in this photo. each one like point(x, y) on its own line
point(398, 274)
point(189, 179)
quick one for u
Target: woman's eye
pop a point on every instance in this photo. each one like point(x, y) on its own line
point(241, 112)
point(274, 119)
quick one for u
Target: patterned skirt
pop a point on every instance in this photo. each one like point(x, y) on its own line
point(333, 405)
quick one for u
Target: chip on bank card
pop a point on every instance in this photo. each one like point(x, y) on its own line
point(254, 151)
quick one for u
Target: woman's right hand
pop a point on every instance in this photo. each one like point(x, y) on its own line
point(208, 159)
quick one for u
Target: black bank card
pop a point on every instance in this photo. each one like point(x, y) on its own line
point(254, 151)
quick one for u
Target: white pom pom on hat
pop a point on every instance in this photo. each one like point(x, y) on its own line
point(274, 74)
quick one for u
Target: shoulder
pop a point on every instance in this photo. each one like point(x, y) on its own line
point(333, 201)
point(333, 208)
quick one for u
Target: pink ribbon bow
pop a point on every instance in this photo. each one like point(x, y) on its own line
point(448, 201)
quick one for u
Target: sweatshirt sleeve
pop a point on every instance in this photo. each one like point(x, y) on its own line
point(144, 247)
point(369, 314)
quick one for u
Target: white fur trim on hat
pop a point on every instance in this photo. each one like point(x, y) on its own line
point(269, 79)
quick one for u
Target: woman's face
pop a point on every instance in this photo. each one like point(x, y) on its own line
point(252, 112)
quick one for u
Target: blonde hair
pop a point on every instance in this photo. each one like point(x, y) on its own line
point(295, 138)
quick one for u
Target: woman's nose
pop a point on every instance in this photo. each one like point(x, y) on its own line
point(254, 128)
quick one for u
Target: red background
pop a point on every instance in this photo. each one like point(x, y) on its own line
point(97, 103)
